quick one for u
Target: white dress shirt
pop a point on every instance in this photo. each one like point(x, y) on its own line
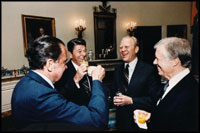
point(174, 80)
point(45, 78)
point(131, 68)
point(76, 67)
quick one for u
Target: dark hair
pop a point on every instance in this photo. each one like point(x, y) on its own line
point(43, 48)
point(76, 41)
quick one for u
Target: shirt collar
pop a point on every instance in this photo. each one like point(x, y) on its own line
point(76, 66)
point(132, 63)
point(174, 80)
point(45, 78)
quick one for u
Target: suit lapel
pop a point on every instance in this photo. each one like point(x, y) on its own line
point(71, 69)
point(120, 77)
point(175, 90)
point(134, 78)
point(121, 68)
point(136, 73)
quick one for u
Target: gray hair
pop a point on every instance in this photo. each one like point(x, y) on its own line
point(176, 48)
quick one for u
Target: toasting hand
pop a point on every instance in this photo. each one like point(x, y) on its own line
point(81, 71)
point(98, 73)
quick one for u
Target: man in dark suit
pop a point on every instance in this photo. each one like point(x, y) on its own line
point(177, 108)
point(138, 88)
point(72, 83)
point(36, 103)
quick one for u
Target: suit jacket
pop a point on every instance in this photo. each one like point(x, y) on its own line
point(35, 101)
point(143, 88)
point(67, 87)
point(178, 110)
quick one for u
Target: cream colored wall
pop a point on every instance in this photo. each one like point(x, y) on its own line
point(65, 13)
point(152, 14)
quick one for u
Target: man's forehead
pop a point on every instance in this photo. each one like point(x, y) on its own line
point(79, 46)
point(127, 43)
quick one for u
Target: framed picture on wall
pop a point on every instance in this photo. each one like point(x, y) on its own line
point(177, 31)
point(36, 26)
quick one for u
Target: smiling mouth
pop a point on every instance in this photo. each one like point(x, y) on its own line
point(123, 55)
point(158, 68)
point(82, 59)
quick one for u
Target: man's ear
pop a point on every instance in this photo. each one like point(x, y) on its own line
point(49, 65)
point(70, 54)
point(176, 61)
point(136, 49)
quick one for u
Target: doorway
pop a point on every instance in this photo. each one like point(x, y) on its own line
point(147, 37)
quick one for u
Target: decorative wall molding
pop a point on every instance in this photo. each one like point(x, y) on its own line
point(6, 94)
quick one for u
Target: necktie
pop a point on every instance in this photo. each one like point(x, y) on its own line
point(86, 84)
point(164, 89)
point(126, 79)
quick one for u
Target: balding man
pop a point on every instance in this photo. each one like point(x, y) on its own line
point(138, 85)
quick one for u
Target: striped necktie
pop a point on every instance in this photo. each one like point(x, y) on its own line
point(86, 84)
point(126, 79)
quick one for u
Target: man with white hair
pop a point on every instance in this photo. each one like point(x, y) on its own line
point(177, 108)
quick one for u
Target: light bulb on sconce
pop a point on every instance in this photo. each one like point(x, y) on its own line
point(80, 26)
point(130, 27)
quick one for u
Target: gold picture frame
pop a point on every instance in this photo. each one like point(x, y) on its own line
point(34, 27)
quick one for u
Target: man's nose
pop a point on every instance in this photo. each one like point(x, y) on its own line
point(155, 61)
point(123, 49)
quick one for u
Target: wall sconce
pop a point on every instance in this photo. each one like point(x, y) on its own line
point(130, 27)
point(80, 27)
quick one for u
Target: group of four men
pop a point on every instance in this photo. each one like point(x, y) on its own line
point(64, 96)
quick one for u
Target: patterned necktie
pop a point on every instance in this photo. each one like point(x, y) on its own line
point(126, 79)
point(86, 84)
